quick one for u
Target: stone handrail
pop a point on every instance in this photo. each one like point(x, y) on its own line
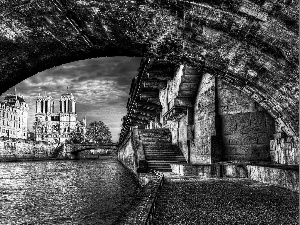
point(128, 136)
point(141, 161)
point(131, 152)
point(152, 210)
point(145, 208)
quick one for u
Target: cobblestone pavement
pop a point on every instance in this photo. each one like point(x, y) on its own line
point(225, 201)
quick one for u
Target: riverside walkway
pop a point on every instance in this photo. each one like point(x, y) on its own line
point(190, 200)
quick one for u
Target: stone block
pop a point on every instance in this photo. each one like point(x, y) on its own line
point(204, 170)
point(229, 150)
point(176, 168)
point(277, 176)
point(189, 170)
point(233, 157)
point(263, 138)
point(200, 159)
point(229, 171)
point(250, 138)
point(273, 156)
point(190, 70)
point(272, 145)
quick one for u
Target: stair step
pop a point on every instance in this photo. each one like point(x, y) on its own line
point(159, 166)
point(157, 131)
point(159, 146)
point(159, 150)
point(163, 151)
point(165, 157)
point(163, 154)
point(162, 169)
point(154, 134)
point(167, 153)
point(161, 162)
point(156, 139)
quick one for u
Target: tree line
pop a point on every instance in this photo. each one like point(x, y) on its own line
point(97, 132)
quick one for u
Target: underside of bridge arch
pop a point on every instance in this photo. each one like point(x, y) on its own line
point(251, 45)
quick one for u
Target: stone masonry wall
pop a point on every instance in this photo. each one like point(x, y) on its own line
point(163, 97)
point(228, 126)
point(126, 155)
point(173, 127)
point(19, 150)
point(169, 93)
point(183, 136)
point(285, 150)
point(204, 122)
point(131, 153)
point(179, 132)
point(245, 127)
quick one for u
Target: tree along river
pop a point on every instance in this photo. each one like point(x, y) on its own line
point(64, 192)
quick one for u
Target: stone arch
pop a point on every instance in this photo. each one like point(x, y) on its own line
point(251, 44)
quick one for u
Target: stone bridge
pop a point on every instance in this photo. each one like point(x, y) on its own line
point(251, 44)
point(216, 94)
point(220, 75)
point(76, 148)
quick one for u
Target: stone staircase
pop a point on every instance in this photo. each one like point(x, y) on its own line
point(159, 150)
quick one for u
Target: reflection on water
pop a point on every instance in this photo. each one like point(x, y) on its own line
point(64, 192)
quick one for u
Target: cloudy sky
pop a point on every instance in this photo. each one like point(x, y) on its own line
point(100, 86)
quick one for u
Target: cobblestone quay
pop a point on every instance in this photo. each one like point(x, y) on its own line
point(225, 201)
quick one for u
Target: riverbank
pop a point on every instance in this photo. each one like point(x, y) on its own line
point(142, 208)
point(34, 159)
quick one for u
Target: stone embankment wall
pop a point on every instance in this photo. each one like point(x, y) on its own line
point(13, 149)
point(285, 150)
point(229, 134)
point(220, 124)
point(143, 208)
point(282, 176)
point(224, 125)
point(205, 123)
point(131, 153)
point(181, 132)
point(126, 155)
point(245, 127)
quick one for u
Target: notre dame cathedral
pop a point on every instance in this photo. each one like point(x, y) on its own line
point(53, 126)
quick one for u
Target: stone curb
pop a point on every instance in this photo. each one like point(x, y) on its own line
point(144, 204)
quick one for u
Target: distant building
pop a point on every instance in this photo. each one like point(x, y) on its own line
point(56, 126)
point(13, 117)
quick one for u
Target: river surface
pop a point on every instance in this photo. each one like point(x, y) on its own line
point(64, 192)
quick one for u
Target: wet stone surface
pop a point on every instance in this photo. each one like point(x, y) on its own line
point(64, 192)
point(225, 201)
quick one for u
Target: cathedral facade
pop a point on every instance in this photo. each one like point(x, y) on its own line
point(54, 126)
point(13, 117)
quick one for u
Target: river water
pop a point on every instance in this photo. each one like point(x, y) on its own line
point(64, 192)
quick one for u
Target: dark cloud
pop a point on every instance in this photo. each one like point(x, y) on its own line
point(100, 86)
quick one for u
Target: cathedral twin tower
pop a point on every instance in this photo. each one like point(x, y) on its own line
point(56, 126)
point(45, 104)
